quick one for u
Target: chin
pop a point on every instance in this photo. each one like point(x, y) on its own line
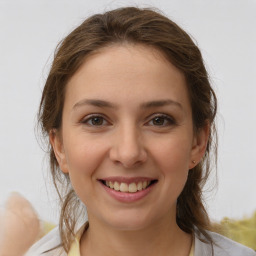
point(129, 221)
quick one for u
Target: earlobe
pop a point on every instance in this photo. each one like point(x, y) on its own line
point(200, 142)
point(57, 145)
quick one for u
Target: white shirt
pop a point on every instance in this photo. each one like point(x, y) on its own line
point(222, 246)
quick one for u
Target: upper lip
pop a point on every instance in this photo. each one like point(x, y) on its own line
point(127, 180)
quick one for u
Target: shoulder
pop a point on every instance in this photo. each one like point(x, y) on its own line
point(49, 245)
point(222, 247)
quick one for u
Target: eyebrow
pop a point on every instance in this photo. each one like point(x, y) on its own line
point(161, 103)
point(146, 105)
point(94, 102)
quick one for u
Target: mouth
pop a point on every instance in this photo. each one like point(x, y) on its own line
point(128, 187)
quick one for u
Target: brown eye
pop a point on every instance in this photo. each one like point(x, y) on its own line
point(162, 120)
point(159, 120)
point(95, 121)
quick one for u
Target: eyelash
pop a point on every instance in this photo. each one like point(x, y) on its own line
point(90, 118)
point(168, 120)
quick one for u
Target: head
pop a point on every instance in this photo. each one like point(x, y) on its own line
point(145, 28)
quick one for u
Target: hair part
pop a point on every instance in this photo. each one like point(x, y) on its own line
point(137, 26)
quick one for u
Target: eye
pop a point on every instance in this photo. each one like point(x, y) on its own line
point(162, 120)
point(95, 120)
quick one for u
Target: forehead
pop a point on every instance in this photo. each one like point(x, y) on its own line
point(119, 71)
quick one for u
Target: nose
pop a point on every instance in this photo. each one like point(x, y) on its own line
point(127, 147)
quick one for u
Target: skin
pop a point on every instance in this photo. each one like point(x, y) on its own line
point(130, 138)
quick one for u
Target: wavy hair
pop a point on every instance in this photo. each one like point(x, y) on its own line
point(145, 27)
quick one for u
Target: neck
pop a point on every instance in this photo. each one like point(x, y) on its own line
point(162, 238)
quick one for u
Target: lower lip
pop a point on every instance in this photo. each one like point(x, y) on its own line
point(128, 197)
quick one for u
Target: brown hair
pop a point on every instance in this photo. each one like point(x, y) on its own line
point(149, 28)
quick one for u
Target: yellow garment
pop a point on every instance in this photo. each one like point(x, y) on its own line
point(75, 247)
point(191, 250)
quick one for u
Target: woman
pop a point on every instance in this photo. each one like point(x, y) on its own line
point(130, 112)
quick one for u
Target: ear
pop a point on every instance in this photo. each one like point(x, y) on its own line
point(57, 145)
point(199, 145)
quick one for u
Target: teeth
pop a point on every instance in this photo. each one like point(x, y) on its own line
point(116, 186)
point(144, 184)
point(111, 184)
point(139, 186)
point(124, 187)
point(133, 188)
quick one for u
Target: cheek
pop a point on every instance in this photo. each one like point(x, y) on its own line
point(173, 155)
point(83, 159)
point(173, 158)
point(83, 154)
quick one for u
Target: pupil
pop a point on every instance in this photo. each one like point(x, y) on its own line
point(97, 121)
point(158, 121)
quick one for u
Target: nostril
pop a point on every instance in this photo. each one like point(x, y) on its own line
point(128, 154)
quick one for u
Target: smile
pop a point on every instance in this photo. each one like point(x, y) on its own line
point(125, 187)
point(128, 189)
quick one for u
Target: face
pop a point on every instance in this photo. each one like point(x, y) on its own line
point(127, 139)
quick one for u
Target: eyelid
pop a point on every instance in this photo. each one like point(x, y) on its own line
point(87, 118)
point(171, 120)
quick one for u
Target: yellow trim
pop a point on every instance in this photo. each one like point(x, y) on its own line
point(75, 246)
point(192, 248)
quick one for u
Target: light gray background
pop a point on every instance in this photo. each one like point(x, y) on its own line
point(225, 32)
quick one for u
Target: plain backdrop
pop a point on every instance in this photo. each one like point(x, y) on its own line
point(225, 32)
